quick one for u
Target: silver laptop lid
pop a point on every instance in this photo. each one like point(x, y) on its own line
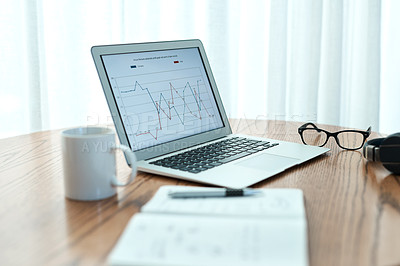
point(162, 96)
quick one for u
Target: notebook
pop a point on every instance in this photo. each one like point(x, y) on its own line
point(166, 107)
point(268, 229)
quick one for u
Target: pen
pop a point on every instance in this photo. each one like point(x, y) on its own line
point(217, 193)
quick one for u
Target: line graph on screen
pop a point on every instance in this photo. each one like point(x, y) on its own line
point(158, 106)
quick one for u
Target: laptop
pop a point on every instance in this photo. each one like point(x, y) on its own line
point(166, 107)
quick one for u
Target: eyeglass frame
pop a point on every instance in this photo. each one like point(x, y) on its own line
point(365, 134)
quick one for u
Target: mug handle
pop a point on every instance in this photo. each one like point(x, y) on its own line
point(132, 159)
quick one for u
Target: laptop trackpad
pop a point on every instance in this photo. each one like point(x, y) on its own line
point(269, 162)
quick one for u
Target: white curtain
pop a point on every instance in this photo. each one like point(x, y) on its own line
point(331, 61)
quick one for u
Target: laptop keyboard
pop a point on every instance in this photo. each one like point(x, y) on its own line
point(214, 154)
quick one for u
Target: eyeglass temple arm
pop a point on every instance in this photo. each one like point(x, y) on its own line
point(368, 131)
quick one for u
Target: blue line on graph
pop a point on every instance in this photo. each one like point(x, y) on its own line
point(170, 105)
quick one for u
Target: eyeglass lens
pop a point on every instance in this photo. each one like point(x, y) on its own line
point(313, 137)
point(350, 140)
point(347, 140)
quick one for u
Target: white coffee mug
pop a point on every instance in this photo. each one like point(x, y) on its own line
point(90, 165)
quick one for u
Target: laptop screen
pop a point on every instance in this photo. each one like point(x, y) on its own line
point(162, 95)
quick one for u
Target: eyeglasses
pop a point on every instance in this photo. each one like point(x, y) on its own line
point(346, 139)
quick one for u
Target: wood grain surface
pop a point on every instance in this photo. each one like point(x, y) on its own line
point(353, 207)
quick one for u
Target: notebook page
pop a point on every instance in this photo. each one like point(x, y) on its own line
point(275, 202)
point(156, 239)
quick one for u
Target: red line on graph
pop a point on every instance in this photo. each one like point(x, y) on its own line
point(170, 105)
point(184, 101)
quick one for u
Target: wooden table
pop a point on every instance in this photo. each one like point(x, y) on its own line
point(353, 207)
